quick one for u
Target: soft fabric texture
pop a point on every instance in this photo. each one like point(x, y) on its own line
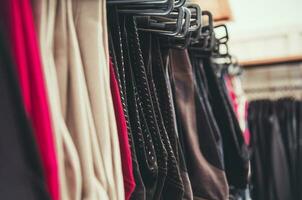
point(79, 117)
point(205, 169)
point(271, 163)
point(28, 62)
point(21, 170)
point(154, 180)
point(173, 186)
point(89, 167)
point(242, 107)
point(52, 35)
point(119, 58)
point(234, 148)
point(92, 43)
point(129, 182)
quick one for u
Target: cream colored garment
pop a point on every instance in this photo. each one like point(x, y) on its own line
point(105, 32)
point(68, 161)
point(75, 55)
point(78, 115)
point(77, 182)
point(91, 28)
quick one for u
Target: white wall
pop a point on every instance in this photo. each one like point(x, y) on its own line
point(265, 28)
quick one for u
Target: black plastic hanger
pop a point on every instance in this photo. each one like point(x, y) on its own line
point(144, 7)
point(169, 25)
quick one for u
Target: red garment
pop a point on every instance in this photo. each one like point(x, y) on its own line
point(129, 182)
point(246, 133)
point(20, 25)
point(232, 94)
point(234, 101)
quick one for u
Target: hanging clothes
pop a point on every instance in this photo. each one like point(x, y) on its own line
point(165, 101)
point(95, 63)
point(54, 46)
point(204, 164)
point(21, 169)
point(88, 126)
point(271, 176)
point(26, 54)
point(234, 148)
point(132, 116)
point(163, 110)
point(125, 112)
point(299, 148)
point(242, 106)
point(146, 109)
point(129, 182)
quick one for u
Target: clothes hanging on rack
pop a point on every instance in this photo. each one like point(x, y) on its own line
point(129, 182)
point(203, 158)
point(76, 102)
point(271, 176)
point(19, 24)
point(234, 149)
point(68, 158)
point(95, 64)
point(127, 98)
point(138, 61)
point(167, 108)
point(142, 94)
point(130, 109)
point(21, 169)
point(241, 98)
point(275, 132)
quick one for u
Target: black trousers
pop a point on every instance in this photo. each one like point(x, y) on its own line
point(271, 177)
point(235, 151)
point(200, 141)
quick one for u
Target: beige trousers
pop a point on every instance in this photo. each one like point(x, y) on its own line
point(91, 28)
point(73, 40)
point(68, 161)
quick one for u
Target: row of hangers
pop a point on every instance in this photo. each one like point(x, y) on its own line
point(182, 24)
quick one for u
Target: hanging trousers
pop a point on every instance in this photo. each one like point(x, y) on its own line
point(68, 159)
point(155, 170)
point(234, 148)
point(129, 182)
point(100, 174)
point(133, 122)
point(96, 69)
point(164, 93)
point(173, 186)
point(270, 167)
point(202, 157)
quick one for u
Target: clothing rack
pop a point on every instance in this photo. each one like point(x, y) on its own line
point(271, 62)
point(117, 100)
point(274, 89)
point(274, 93)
